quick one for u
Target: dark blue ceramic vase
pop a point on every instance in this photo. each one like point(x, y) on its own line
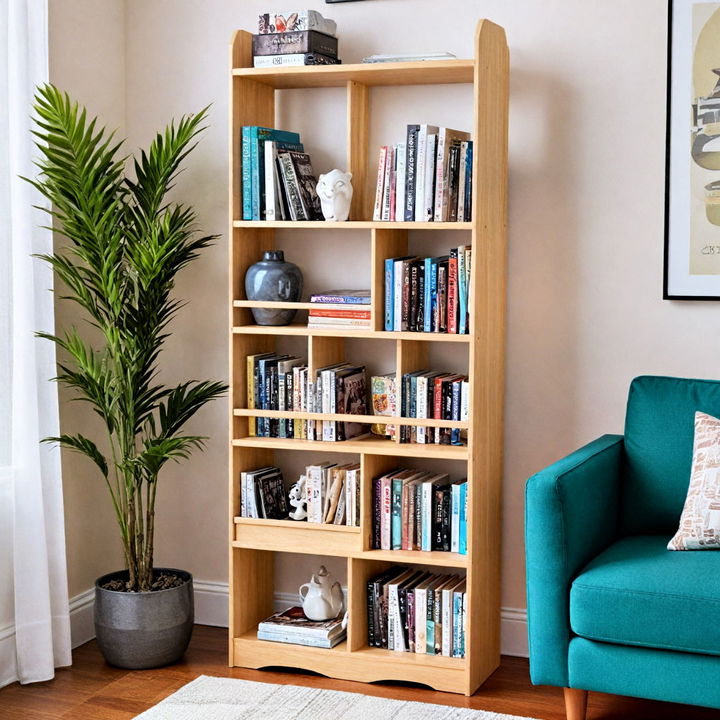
point(273, 279)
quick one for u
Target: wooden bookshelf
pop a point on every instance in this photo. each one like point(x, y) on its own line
point(254, 543)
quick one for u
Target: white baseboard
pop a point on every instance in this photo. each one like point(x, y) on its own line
point(211, 608)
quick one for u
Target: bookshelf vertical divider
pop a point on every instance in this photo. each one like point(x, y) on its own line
point(254, 543)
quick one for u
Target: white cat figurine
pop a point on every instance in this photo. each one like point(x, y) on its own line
point(335, 192)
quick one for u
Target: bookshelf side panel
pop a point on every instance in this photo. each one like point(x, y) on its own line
point(488, 277)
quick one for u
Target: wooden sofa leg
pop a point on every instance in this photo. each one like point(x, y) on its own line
point(575, 703)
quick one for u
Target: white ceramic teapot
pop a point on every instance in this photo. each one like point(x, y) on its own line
point(322, 598)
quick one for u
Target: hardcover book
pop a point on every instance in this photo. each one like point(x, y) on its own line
point(280, 22)
point(293, 60)
point(297, 41)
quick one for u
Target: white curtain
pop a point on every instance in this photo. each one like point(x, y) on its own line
point(34, 616)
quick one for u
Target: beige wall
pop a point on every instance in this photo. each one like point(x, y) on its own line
point(586, 222)
point(87, 59)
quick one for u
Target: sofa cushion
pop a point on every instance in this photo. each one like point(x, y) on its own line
point(659, 429)
point(637, 592)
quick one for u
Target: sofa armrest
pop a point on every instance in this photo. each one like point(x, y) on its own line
point(571, 514)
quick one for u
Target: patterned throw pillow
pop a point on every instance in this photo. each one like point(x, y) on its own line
point(700, 521)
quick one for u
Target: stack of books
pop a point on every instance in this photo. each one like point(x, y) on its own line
point(263, 494)
point(291, 626)
point(278, 181)
point(428, 178)
point(284, 382)
point(417, 611)
point(437, 395)
point(301, 37)
point(332, 493)
point(355, 317)
point(416, 510)
point(429, 294)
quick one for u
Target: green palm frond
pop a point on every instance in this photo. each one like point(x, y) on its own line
point(125, 246)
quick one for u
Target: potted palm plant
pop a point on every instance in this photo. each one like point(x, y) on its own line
point(125, 244)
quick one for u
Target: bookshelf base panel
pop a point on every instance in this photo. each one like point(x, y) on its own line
point(364, 665)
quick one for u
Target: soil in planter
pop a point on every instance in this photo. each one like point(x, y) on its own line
point(163, 581)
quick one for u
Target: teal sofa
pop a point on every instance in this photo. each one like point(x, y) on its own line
point(610, 609)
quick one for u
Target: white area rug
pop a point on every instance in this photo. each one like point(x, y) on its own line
point(213, 698)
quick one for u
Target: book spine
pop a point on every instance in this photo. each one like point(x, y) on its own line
point(411, 171)
point(387, 184)
point(386, 515)
point(468, 182)
point(437, 621)
point(420, 175)
point(400, 169)
point(417, 535)
point(461, 181)
point(452, 311)
point(246, 174)
point(408, 509)
point(397, 294)
point(292, 189)
point(447, 623)
point(370, 595)
point(442, 296)
point(453, 182)
point(377, 513)
point(462, 530)
point(396, 525)
point(421, 621)
point(455, 522)
point(429, 622)
point(243, 495)
point(297, 640)
point(405, 301)
point(339, 314)
point(456, 401)
point(393, 189)
point(462, 292)
point(411, 620)
point(293, 60)
point(340, 300)
point(457, 610)
point(440, 175)
point(389, 299)
point(256, 146)
point(380, 186)
point(414, 296)
point(429, 192)
point(303, 41)
point(271, 200)
point(427, 315)
point(427, 517)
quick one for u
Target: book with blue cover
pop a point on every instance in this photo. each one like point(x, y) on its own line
point(253, 165)
point(462, 540)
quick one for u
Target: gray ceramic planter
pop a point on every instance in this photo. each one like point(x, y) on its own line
point(146, 629)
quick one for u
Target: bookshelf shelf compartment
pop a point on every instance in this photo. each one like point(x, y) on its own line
point(253, 543)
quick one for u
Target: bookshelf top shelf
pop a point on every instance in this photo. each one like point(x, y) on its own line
point(426, 72)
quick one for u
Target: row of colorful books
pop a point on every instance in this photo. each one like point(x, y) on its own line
point(332, 493)
point(278, 181)
point(302, 37)
point(263, 494)
point(292, 626)
point(429, 294)
point(426, 178)
point(284, 382)
point(438, 395)
point(355, 317)
point(419, 510)
point(410, 610)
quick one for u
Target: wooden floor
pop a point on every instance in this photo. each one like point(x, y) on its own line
point(93, 690)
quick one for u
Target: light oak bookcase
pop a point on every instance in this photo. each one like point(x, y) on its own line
point(253, 542)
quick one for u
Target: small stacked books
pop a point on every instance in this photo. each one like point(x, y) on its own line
point(302, 37)
point(356, 317)
point(291, 626)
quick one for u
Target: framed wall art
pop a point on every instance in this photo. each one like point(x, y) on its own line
point(692, 222)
